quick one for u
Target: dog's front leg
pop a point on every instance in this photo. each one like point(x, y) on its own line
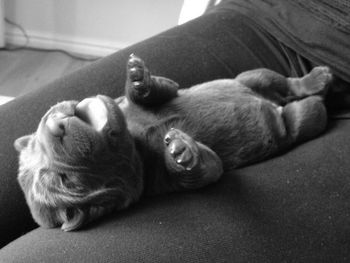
point(145, 89)
point(191, 164)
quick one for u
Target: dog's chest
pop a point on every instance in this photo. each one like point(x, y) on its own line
point(138, 119)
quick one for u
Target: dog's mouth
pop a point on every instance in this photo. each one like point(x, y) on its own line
point(93, 111)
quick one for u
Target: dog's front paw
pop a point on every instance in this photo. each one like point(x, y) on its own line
point(138, 76)
point(182, 149)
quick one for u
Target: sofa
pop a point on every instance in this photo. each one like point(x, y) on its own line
point(294, 207)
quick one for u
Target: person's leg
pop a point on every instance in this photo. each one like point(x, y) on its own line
point(210, 47)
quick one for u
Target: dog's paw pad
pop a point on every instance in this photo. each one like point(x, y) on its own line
point(136, 68)
point(182, 148)
point(138, 75)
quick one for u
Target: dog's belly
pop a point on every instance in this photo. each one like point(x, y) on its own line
point(226, 116)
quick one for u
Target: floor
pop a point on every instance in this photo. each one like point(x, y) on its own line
point(24, 70)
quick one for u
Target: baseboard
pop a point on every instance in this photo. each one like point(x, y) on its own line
point(84, 46)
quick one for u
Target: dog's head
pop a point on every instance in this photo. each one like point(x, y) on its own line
point(80, 164)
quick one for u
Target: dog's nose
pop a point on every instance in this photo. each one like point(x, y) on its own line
point(56, 124)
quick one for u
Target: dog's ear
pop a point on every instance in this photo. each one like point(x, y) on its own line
point(22, 142)
point(73, 218)
point(70, 219)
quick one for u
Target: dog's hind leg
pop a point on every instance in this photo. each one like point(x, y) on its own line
point(281, 90)
point(305, 119)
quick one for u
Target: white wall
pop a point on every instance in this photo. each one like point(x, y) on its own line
point(2, 24)
point(96, 27)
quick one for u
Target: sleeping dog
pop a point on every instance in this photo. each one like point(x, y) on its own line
point(90, 157)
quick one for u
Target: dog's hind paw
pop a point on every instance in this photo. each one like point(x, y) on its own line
point(317, 81)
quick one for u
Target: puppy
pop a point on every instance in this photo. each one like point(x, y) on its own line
point(98, 155)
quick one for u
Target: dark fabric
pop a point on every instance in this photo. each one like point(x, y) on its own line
point(335, 13)
point(303, 26)
point(289, 209)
